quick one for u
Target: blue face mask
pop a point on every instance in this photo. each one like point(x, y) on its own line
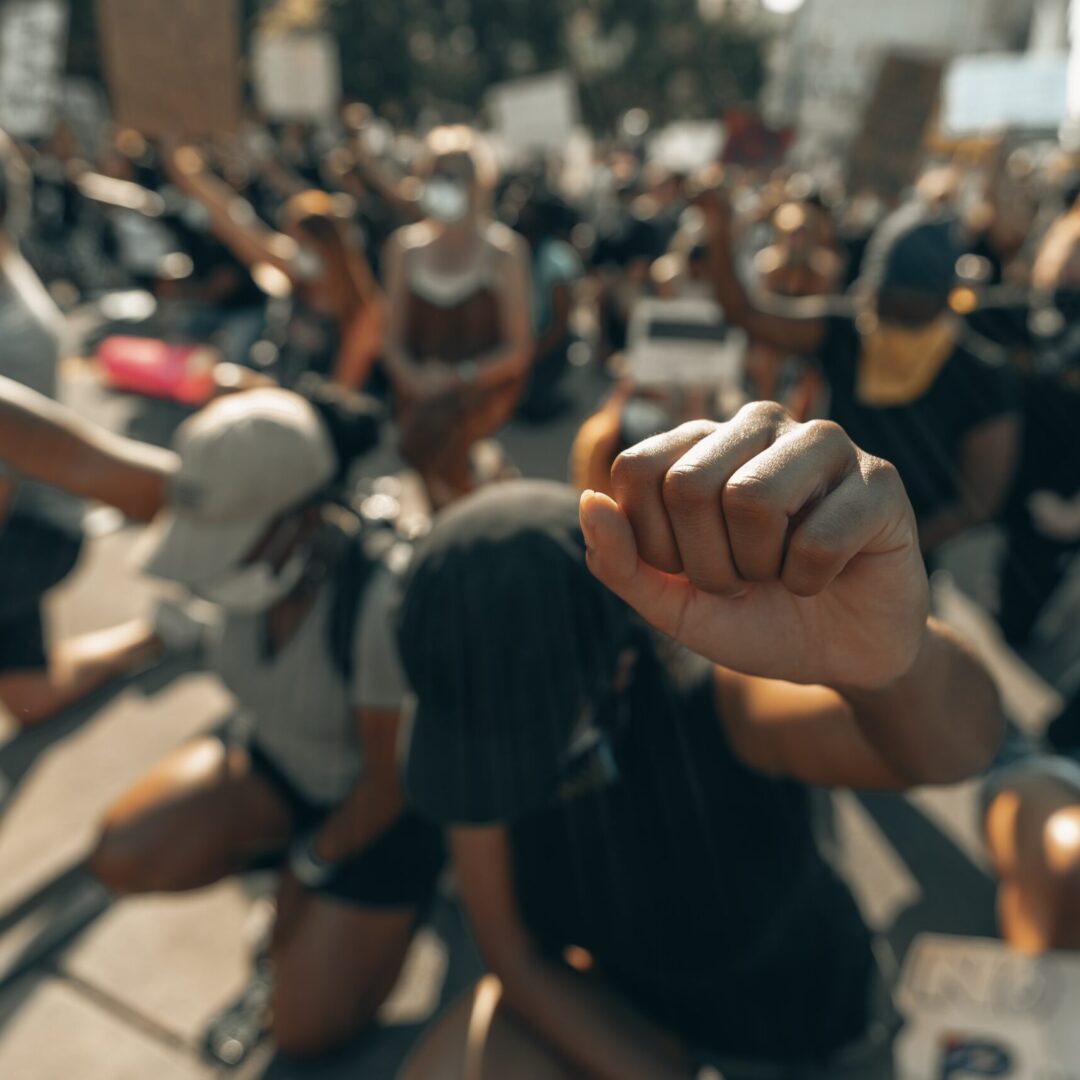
point(445, 200)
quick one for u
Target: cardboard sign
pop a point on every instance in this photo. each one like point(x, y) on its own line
point(296, 76)
point(976, 1008)
point(889, 148)
point(535, 114)
point(684, 343)
point(173, 67)
point(33, 40)
point(992, 93)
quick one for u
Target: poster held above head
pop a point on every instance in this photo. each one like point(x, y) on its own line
point(535, 115)
point(889, 148)
point(297, 76)
point(33, 40)
point(172, 68)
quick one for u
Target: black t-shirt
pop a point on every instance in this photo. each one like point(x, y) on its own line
point(696, 884)
point(922, 439)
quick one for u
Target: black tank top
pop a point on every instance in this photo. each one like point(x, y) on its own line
point(697, 885)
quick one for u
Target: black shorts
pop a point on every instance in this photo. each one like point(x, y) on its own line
point(34, 556)
point(22, 641)
point(399, 868)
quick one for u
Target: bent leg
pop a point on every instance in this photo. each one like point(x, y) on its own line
point(1033, 829)
point(334, 964)
point(479, 1038)
point(200, 814)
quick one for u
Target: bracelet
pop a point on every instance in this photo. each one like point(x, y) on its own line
point(307, 866)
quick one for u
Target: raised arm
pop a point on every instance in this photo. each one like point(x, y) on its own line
point(789, 557)
point(47, 442)
point(232, 217)
point(793, 326)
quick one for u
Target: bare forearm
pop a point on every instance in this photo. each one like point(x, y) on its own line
point(373, 805)
point(941, 722)
point(503, 364)
point(597, 1032)
point(45, 441)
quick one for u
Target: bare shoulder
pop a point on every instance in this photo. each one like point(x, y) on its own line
point(412, 238)
point(506, 243)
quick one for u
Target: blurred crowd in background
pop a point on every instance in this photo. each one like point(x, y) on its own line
point(399, 283)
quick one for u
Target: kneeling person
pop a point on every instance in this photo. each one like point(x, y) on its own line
point(311, 769)
point(626, 795)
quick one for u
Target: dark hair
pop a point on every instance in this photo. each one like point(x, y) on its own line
point(353, 421)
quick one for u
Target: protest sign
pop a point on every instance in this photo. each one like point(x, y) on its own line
point(173, 68)
point(684, 342)
point(996, 92)
point(536, 114)
point(296, 76)
point(889, 147)
point(687, 146)
point(33, 39)
point(978, 1008)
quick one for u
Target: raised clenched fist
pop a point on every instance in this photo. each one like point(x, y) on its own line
point(771, 547)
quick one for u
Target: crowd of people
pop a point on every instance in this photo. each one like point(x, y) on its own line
point(603, 706)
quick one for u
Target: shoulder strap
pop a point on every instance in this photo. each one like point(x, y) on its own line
point(363, 554)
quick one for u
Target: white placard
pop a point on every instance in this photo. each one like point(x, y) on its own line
point(688, 146)
point(33, 39)
point(684, 342)
point(977, 1008)
point(297, 76)
point(996, 92)
point(535, 114)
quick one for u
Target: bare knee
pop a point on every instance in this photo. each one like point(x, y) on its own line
point(1061, 844)
point(124, 864)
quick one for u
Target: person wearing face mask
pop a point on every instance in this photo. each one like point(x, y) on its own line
point(306, 776)
point(459, 341)
point(906, 380)
point(337, 322)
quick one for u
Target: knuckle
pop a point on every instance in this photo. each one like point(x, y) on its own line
point(811, 554)
point(687, 486)
point(768, 412)
point(748, 497)
point(632, 469)
point(828, 432)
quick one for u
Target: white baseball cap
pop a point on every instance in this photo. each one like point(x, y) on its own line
point(244, 461)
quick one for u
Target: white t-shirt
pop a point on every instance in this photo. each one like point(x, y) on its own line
point(295, 705)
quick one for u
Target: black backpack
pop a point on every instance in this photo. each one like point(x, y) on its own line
point(365, 551)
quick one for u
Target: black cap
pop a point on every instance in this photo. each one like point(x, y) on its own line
point(912, 251)
point(506, 638)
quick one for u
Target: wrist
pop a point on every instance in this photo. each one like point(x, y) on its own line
point(910, 670)
point(307, 863)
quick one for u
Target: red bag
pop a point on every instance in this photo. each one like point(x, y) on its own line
point(183, 373)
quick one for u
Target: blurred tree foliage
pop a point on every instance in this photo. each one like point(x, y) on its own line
point(439, 56)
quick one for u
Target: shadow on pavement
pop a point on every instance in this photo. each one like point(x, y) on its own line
point(956, 897)
point(19, 755)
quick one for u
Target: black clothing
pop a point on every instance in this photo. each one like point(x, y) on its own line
point(924, 438)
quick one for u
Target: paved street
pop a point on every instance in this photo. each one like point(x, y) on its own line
point(101, 990)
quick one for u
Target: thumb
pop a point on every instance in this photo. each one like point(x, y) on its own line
point(659, 598)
